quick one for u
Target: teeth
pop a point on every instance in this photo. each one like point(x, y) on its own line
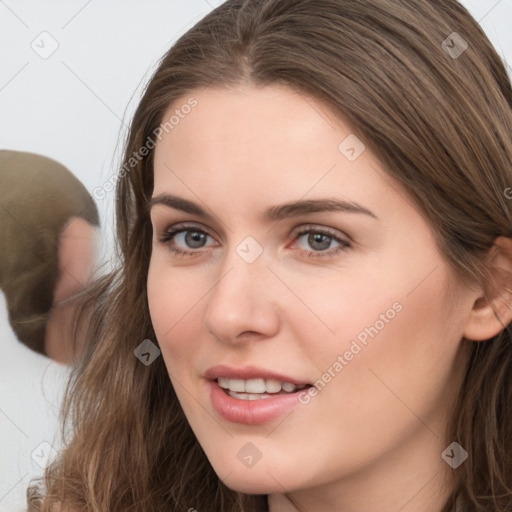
point(272, 386)
point(233, 384)
point(288, 386)
point(256, 387)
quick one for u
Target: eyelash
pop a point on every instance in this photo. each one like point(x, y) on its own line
point(170, 233)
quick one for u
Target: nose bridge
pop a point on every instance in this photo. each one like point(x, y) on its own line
point(243, 268)
point(241, 299)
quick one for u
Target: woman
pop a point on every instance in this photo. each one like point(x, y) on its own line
point(314, 275)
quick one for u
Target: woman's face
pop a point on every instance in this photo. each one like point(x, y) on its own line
point(271, 286)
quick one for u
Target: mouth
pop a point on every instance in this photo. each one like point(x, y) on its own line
point(258, 388)
point(250, 402)
point(252, 395)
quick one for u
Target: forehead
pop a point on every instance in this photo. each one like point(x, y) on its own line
point(249, 132)
point(246, 120)
point(261, 147)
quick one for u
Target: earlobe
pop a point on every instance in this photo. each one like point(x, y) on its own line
point(492, 311)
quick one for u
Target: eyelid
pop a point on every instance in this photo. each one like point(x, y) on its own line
point(175, 229)
point(334, 233)
point(296, 232)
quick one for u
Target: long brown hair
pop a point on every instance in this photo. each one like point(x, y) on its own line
point(436, 109)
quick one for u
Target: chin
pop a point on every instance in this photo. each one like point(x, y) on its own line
point(246, 484)
point(260, 479)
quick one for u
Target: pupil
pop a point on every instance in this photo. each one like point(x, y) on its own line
point(318, 237)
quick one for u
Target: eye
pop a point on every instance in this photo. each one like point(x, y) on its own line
point(319, 240)
point(187, 241)
point(189, 237)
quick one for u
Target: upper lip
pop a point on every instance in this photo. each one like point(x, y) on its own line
point(249, 372)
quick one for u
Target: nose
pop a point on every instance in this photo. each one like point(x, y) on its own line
point(242, 305)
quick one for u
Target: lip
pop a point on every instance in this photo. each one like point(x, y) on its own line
point(249, 372)
point(250, 412)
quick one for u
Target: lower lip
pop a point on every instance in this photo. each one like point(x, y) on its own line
point(250, 412)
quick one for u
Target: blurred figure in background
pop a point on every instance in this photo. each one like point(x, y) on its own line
point(48, 224)
point(48, 230)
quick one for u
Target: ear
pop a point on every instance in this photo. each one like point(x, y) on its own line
point(492, 311)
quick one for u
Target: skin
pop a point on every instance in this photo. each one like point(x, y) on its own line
point(372, 438)
point(77, 247)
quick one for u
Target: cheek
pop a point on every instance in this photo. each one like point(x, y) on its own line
point(391, 348)
point(398, 297)
point(338, 309)
point(174, 300)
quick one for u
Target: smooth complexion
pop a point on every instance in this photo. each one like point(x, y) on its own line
point(372, 439)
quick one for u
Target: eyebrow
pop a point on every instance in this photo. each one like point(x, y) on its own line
point(272, 214)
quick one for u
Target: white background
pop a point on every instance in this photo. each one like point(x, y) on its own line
point(74, 107)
